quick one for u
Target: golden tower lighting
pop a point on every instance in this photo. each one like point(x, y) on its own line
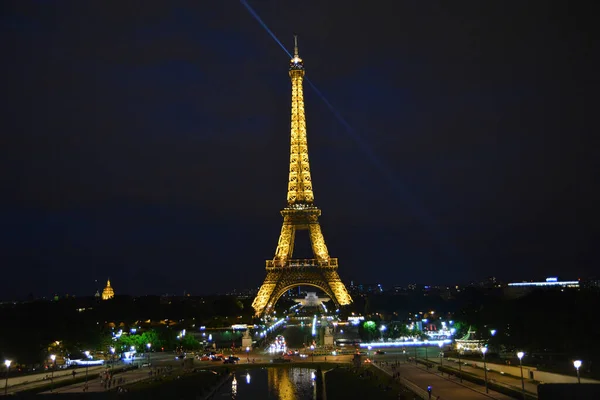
point(108, 292)
point(284, 272)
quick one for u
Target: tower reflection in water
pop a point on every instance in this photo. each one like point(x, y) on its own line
point(282, 383)
point(233, 387)
point(291, 383)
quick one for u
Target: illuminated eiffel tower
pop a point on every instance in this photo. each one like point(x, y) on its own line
point(284, 272)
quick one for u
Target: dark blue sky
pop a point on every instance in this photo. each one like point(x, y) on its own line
point(149, 142)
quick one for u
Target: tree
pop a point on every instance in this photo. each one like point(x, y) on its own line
point(368, 331)
point(189, 342)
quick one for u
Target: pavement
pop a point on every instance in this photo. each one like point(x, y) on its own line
point(96, 385)
point(442, 387)
point(493, 376)
point(19, 383)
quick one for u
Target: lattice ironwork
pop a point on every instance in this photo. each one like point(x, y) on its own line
point(284, 272)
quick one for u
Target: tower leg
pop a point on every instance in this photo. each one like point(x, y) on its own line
point(285, 244)
point(318, 242)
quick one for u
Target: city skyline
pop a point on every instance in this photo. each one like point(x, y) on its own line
point(156, 152)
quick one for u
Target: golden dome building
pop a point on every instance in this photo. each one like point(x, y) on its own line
point(108, 292)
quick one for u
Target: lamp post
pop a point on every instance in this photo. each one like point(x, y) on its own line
point(53, 358)
point(149, 346)
point(7, 363)
point(520, 355)
point(441, 344)
point(458, 347)
point(112, 358)
point(483, 351)
point(87, 354)
point(577, 364)
point(426, 345)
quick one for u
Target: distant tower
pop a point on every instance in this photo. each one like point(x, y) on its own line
point(284, 272)
point(108, 292)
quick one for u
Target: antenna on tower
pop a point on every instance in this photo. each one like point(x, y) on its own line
point(295, 45)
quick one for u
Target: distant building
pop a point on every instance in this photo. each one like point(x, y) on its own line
point(108, 292)
point(518, 289)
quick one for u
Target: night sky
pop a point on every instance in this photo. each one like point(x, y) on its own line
point(149, 142)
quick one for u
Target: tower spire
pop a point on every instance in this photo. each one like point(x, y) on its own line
point(296, 46)
point(300, 189)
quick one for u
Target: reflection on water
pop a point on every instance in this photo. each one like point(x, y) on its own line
point(271, 384)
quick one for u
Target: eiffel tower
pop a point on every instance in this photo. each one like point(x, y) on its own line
point(283, 271)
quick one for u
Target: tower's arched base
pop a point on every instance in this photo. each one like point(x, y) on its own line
point(300, 273)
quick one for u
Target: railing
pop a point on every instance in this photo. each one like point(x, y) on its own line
point(308, 262)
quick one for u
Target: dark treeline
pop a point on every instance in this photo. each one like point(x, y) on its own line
point(84, 323)
point(551, 326)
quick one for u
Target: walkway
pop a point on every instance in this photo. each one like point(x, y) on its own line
point(493, 376)
point(444, 387)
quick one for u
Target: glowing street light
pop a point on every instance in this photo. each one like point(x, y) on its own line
point(87, 355)
point(53, 358)
point(577, 365)
point(149, 346)
point(112, 357)
point(493, 332)
point(458, 348)
point(520, 355)
point(7, 363)
point(483, 351)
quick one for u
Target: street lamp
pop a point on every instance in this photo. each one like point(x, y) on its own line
point(458, 348)
point(369, 352)
point(415, 355)
point(520, 355)
point(426, 345)
point(149, 345)
point(112, 358)
point(483, 351)
point(87, 354)
point(7, 363)
point(53, 358)
point(441, 344)
point(577, 364)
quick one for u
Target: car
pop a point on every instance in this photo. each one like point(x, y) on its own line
point(234, 358)
point(380, 352)
point(229, 361)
